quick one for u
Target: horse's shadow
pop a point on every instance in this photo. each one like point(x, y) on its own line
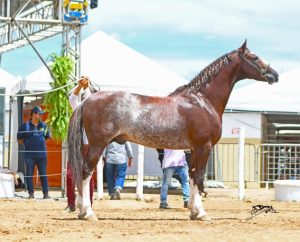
point(126, 219)
point(146, 219)
point(220, 219)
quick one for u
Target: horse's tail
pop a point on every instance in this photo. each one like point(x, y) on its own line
point(75, 144)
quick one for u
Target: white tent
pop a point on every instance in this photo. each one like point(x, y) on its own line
point(283, 96)
point(115, 66)
point(38, 80)
point(10, 83)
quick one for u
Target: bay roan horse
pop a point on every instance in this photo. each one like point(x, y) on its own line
point(188, 118)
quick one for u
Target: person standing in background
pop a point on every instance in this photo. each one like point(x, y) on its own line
point(174, 161)
point(33, 135)
point(116, 156)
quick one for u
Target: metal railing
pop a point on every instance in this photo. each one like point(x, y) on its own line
point(279, 162)
point(223, 163)
point(264, 163)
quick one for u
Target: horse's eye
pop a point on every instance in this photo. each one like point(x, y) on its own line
point(255, 58)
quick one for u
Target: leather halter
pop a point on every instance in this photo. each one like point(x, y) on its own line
point(255, 63)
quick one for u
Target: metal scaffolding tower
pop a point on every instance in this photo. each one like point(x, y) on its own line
point(26, 22)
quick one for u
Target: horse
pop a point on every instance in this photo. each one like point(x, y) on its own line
point(188, 118)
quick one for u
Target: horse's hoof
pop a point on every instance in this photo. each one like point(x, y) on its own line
point(204, 217)
point(81, 216)
point(193, 216)
point(92, 218)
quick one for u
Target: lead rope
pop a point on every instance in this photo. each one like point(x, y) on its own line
point(258, 209)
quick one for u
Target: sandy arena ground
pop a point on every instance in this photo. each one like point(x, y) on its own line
point(130, 220)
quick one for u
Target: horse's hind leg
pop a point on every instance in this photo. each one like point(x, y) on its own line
point(86, 211)
point(197, 172)
point(92, 157)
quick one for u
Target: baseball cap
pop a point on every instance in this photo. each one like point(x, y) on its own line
point(38, 110)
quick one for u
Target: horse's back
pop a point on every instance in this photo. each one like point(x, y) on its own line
point(138, 118)
point(148, 120)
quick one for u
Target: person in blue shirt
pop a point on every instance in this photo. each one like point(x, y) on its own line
point(116, 156)
point(33, 135)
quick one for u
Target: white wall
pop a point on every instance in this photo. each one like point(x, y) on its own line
point(151, 165)
point(250, 120)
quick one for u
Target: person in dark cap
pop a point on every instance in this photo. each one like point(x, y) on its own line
point(33, 135)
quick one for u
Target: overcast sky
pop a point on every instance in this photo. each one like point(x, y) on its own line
point(187, 35)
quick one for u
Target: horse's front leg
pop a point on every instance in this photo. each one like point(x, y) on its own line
point(197, 172)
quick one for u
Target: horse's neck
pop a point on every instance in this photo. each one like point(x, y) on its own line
point(218, 90)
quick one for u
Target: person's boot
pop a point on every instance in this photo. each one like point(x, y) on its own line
point(46, 196)
point(118, 194)
point(164, 206)
point(31, 195)
point(70, 209)
point(185, 204)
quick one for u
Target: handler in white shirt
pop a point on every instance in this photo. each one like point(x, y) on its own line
point(74, 102)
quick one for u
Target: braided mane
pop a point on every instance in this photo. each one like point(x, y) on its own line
point(204, 77)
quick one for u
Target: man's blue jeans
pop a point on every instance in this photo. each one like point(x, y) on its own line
point(182, 171)
point(42, 168)
point(115, 176)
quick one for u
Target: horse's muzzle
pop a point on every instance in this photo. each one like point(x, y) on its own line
point(271, 77)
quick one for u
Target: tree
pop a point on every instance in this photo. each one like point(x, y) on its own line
point(57, 102)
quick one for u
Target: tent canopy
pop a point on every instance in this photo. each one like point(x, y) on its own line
point(115, 66)
point(283, 96)
point(8, 81)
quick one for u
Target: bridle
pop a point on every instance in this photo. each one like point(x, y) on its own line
point(255, 63)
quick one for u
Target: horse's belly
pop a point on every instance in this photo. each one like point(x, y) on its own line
point(158, 138)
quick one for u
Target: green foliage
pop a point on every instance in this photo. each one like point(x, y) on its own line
point(57, 102)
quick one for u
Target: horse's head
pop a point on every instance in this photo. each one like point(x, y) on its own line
point(254, 67)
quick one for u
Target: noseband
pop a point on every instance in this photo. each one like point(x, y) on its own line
point(255, 63)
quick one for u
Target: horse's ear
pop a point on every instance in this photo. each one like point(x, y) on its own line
point(243, 47)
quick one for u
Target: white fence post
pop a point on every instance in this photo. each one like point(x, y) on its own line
point(1, 151)
point(140, 172)
point(242, 164)
point(64, 155)
point(100, 179)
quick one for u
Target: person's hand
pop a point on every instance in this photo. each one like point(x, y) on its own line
point(84, 82)
point(130, 162)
